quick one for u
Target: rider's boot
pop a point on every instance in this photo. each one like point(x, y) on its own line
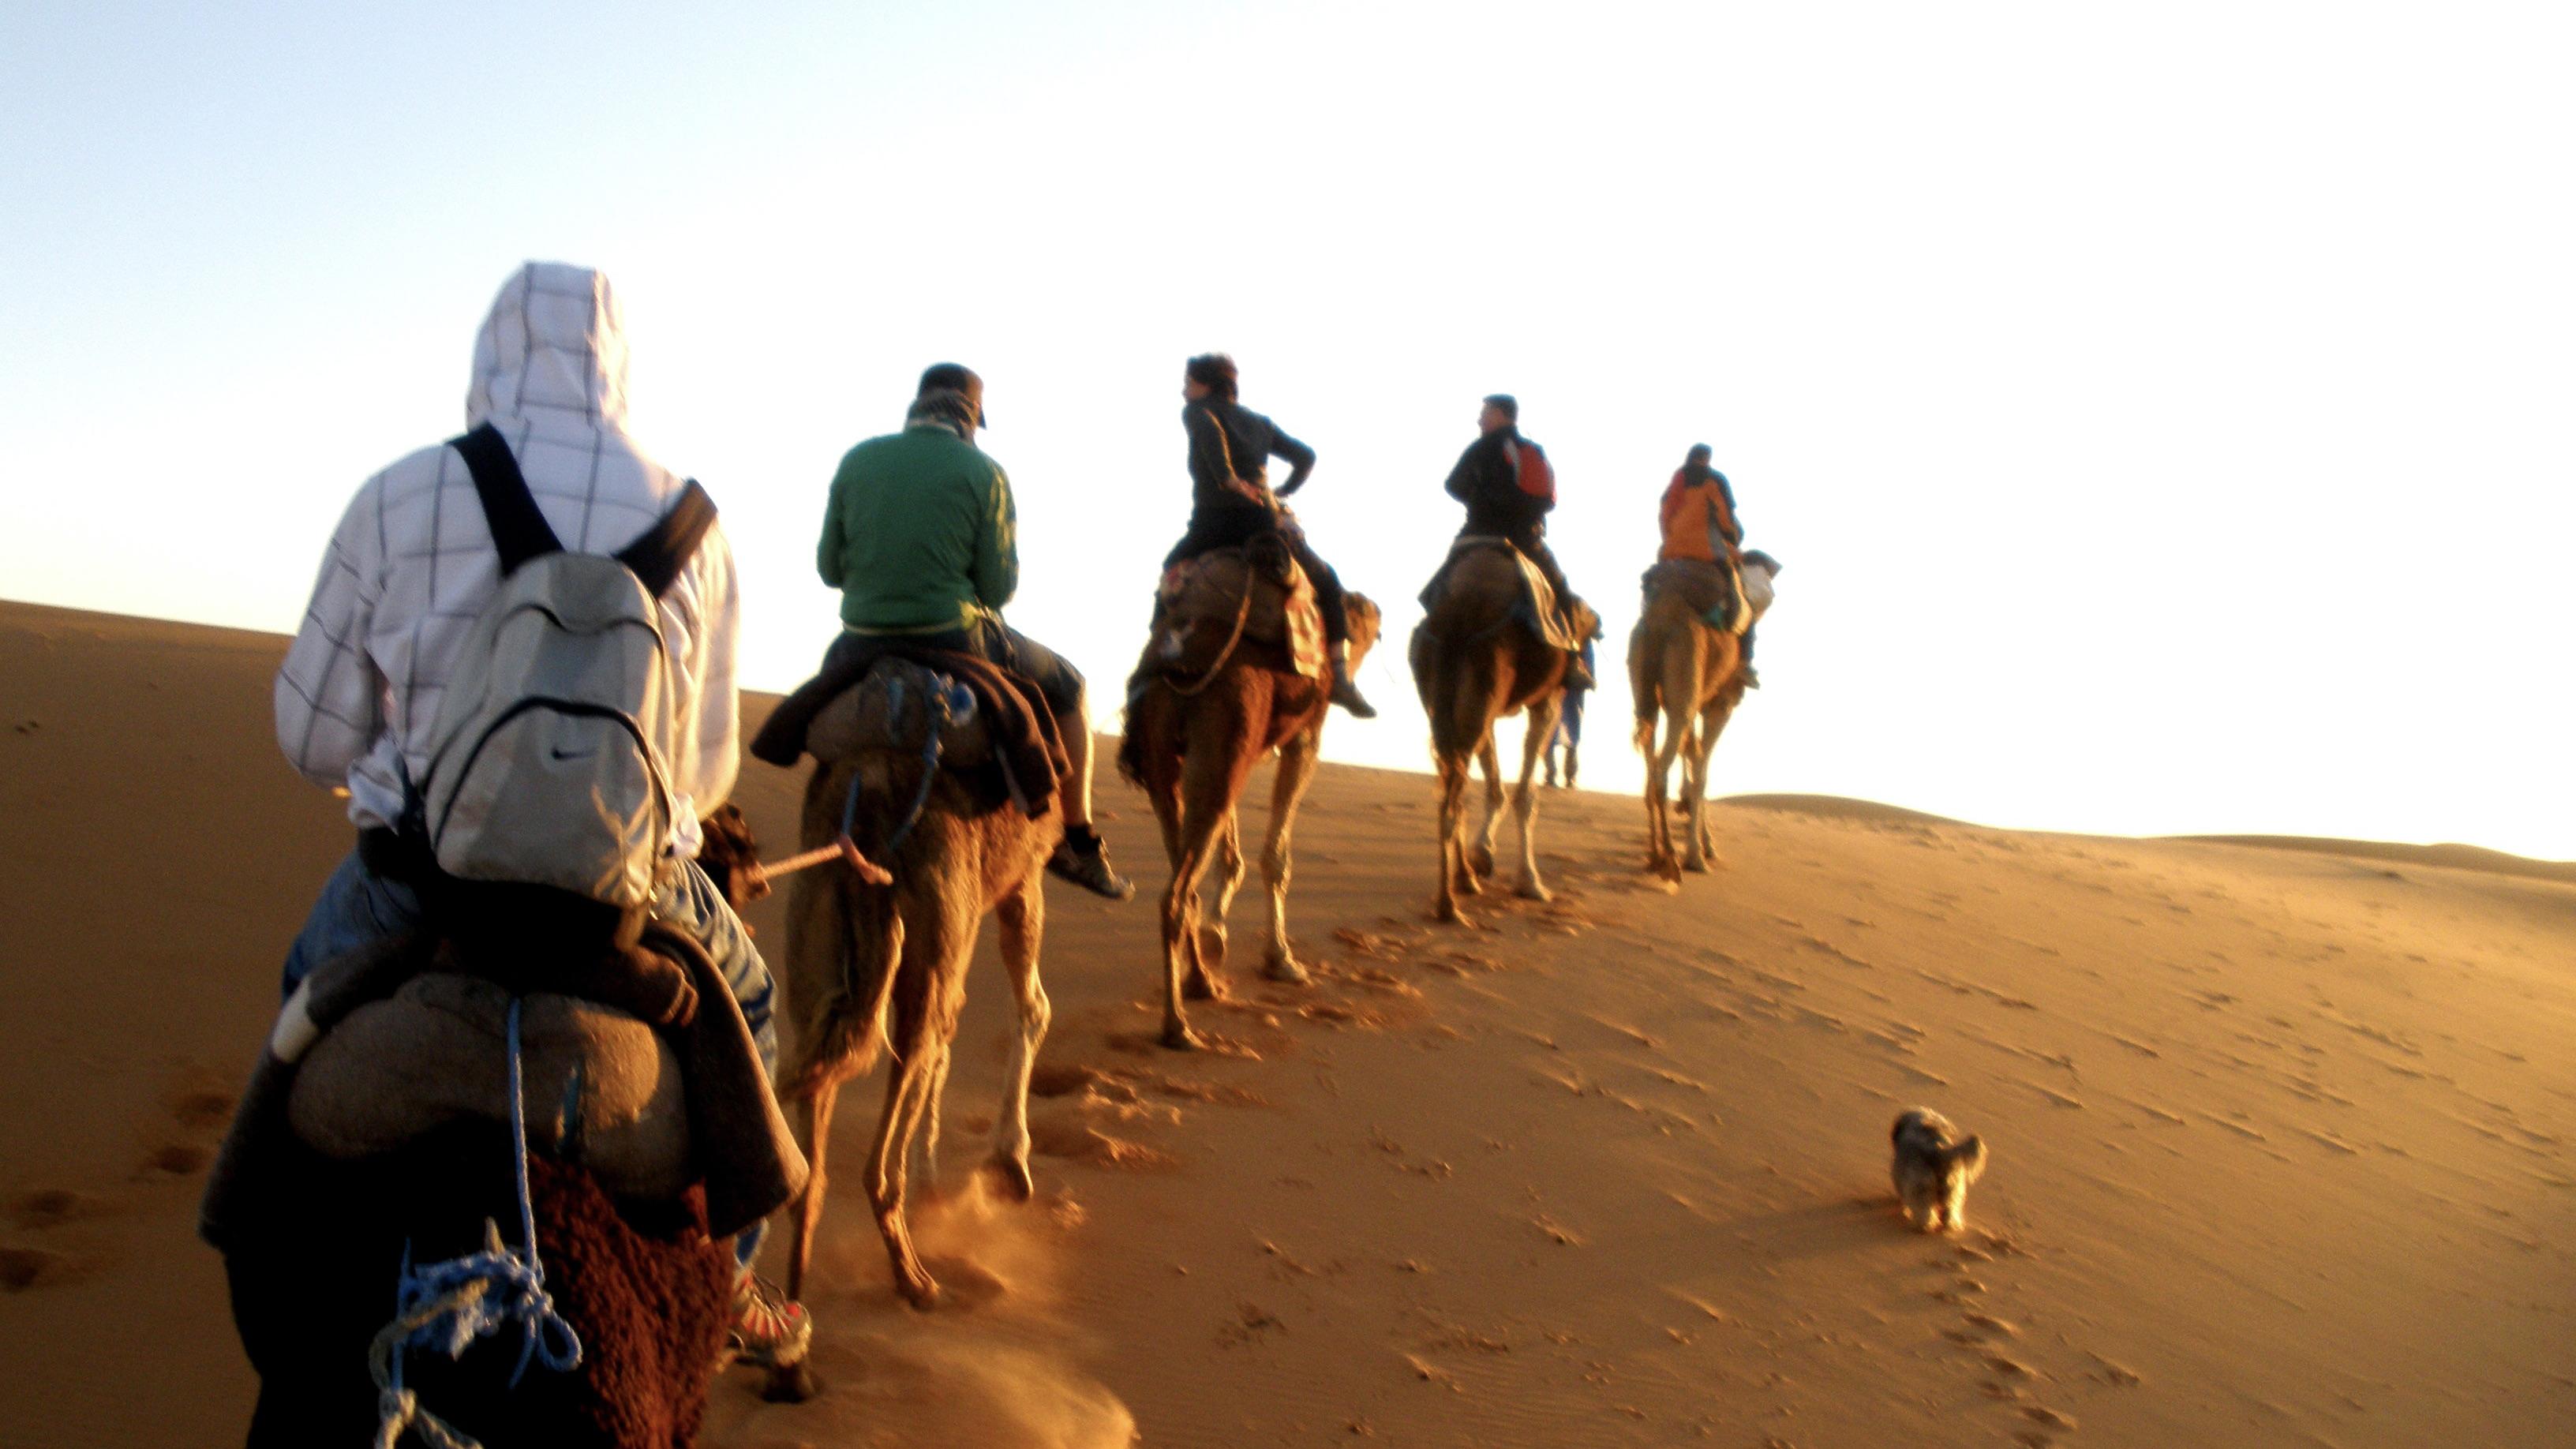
point(1082, 857)
point(1578, 675)
point(1345, 693)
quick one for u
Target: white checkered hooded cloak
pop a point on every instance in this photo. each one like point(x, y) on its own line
point(412, 562)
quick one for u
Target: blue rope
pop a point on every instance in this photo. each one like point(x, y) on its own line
point(953, 700)
point(446, 1306)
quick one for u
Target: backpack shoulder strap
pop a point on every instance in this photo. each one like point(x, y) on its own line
point(666, 548)
point(518, 527)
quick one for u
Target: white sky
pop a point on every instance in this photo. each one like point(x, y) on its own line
point(2162, 410)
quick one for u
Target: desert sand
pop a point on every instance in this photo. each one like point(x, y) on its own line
point(2280, 1129)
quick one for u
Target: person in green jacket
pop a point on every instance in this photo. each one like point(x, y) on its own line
point(920, 538)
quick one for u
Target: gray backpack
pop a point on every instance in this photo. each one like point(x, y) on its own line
point(548, 759)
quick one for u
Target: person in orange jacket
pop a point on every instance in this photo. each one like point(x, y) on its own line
point(1699, 523)
point(1699, 514)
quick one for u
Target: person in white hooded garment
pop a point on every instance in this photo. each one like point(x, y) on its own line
point(411, 566)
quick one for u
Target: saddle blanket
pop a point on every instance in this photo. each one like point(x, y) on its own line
point(1538, 607)
point(1199, 601)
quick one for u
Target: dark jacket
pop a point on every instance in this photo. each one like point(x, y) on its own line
point(1486, 482)
point(1230, 451)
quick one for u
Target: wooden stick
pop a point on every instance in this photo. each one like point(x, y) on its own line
point(841, 849)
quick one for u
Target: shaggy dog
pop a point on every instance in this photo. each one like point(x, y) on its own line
point(731, 858)
point(1933, 1169)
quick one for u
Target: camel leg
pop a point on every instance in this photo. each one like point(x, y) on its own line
point(1542, 723)
point(907, 1092)
point(816, 1112)
point(925, 1144)
point(1287, 789)
point(1453, 832)
point(1207, 794)
point(1696, 853)
point(1679, 684)
point(1022, 919)
point(1668, 802)
point(1481, 859)
point(795, 1383)
point(1712, 723)
point(1211, 781)
point(1229, 879)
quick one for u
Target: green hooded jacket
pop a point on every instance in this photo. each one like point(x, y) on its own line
point(920, 535)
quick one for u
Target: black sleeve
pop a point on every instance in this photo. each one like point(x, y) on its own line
point(1301, 459)
point(1462, 479)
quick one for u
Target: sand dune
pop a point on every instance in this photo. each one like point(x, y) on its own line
point(2281, 1137)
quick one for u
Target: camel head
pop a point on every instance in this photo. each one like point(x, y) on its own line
point(1361, 614)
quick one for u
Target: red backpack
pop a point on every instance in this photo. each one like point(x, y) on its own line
point(1530, 470)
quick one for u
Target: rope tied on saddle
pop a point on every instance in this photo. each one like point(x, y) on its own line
point(947, 704)
point(447, 1306)
point(1242, 616)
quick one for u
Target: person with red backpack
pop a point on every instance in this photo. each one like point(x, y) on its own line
point(1509, 489)
point(432, 681)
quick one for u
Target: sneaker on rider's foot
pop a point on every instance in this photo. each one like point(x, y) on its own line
point(770, 1329)
point(1083, 858)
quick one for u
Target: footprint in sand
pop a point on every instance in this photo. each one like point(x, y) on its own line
point(174, 1159)
point(23, 1268)
point(47, 1207)
point(1074, 1140)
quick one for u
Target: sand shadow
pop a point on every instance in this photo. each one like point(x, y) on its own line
point(1823, 1229)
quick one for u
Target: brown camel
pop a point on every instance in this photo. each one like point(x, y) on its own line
point(1190, 753)
point(1690, 673)
point(1474, 663)
point(883, 967)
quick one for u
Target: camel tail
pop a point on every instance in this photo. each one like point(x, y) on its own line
point(845, 936)
point(1457, 723)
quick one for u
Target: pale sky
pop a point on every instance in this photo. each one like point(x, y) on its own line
point(2162, 411)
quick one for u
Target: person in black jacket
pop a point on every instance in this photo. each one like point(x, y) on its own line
point(1231, 502)
point(1487, 479)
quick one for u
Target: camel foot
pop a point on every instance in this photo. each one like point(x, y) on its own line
point(1199, 986)
point(1178, 1037)
point(918, 1289)
point(1532, 890)
point(1696, 865)
point(1480, 861)
point(791, 1383)
point(1013, 1175)
point(1212, 944)
point(1285, 968)
point(1469, 885)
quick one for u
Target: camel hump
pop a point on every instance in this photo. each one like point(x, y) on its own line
point(1485, 582)
point(895, 707)
point(599, 1083)
point(1200, 600)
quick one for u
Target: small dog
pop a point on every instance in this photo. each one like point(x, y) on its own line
point(1933, 1169)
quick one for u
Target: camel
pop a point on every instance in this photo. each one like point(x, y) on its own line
point(1191, 753)
point(1473, 664)
point(378, 1130)
point(873, 968)
point(1692, 674)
